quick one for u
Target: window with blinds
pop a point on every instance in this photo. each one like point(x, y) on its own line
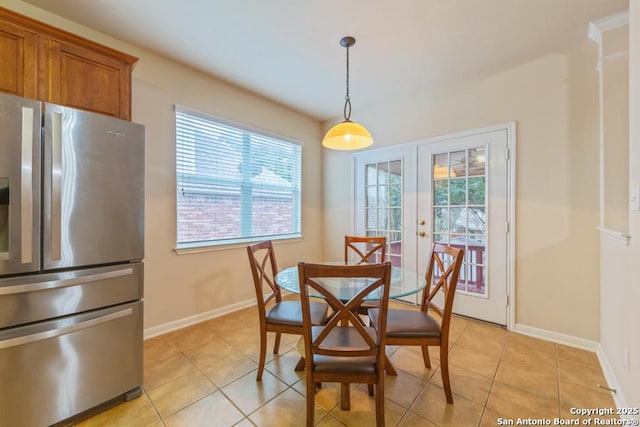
point(234, 185)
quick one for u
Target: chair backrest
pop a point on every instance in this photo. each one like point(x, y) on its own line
point(442, 277)
point(264, 268)
point(375, 278)
point(369, 249)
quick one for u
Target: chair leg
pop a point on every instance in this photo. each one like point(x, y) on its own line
point(425, 356)
point(300, 365)
point(276, 345)
point(370, 387)
point(345, 396)
point(444, 368)
point(380, 402)
point(389, 367)
point(263, 354)
point(311, 398)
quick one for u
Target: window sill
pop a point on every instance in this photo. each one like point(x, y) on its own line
point(185, 250)
point(618, 236)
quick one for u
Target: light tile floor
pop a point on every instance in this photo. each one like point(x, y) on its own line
point(204, 375)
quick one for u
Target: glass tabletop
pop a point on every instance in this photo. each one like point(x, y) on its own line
point(403, 282)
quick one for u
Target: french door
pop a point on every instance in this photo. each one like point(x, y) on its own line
point(453, 190)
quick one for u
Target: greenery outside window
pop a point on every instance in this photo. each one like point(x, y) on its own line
point(234, 184)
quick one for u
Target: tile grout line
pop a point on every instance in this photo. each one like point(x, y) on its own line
point(144, 390)
point(493, 380)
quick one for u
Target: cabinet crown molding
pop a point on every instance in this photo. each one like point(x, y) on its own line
point(59, 34)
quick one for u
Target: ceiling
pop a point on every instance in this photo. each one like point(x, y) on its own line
point(288, 50)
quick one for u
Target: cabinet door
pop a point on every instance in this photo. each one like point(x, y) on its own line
point(88, 80)
point(18, 53)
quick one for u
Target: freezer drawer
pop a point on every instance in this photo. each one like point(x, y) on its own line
point(37, 297)
point(56, 369)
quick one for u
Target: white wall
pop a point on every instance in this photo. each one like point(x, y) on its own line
point(620, 264)
point(554, 102)
point(187, 286)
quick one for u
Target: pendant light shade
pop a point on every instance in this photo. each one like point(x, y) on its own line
point(347, 135)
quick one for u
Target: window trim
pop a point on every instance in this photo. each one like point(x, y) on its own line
point(199, 247)
point(224, 244)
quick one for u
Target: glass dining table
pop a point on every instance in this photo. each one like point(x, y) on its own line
point(403, 282)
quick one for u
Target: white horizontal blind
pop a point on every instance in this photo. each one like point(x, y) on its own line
point(233, 185)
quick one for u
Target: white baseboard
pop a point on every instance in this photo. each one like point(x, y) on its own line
point(557, 337)
point(618, 396)
point(589, 345)
point(192, 320)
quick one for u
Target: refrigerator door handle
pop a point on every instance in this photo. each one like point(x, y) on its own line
point(55, 284)
point(56, 185)
point(14, 342)
point(26, 186)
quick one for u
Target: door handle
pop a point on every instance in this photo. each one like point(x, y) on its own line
point(63, 282)
point(56, 185)
point(40, 336)
point(422, 234)
point(26, 187)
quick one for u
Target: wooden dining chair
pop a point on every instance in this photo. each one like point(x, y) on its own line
point(344, 350)
point(420, 328)
point(276, 315)
point(367, 249)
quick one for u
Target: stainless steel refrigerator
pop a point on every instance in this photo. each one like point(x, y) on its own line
point(71, 250)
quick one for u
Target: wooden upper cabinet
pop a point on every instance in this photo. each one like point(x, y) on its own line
point(18, 59)
point(82, 78)
point(42, 62)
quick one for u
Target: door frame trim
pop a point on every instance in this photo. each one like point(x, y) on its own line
point(510, 128)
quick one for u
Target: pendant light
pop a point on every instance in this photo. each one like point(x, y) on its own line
point(347, 135)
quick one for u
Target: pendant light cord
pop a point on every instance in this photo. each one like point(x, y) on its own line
point(347, 99)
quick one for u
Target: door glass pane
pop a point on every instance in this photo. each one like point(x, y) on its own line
point(384, 198)
point(382, 221)
point(459, 191)
point(383, 195)
point(441, 166)
point(440, 220)
point(459, 212)
point(476, 191)
point(383, 173)
point(478, 220)
point(395, 176)
point(372, 196)
point(441, 193)
point(371, 174)
point(458, 226)
point(371, 218)
point(396, 219)
point(477, 161)
point(458, 163)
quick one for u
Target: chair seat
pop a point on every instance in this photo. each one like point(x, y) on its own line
point(290, 313)
point(366, 306)
point(408, 324)
point(345, 365)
